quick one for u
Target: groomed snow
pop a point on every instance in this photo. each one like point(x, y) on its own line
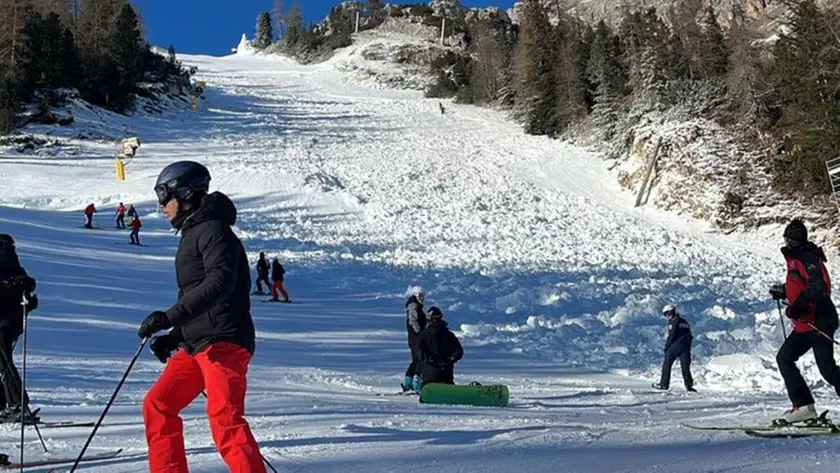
point(538, 259)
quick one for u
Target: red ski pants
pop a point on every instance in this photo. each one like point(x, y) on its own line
point(221, 369)
point(278, 287)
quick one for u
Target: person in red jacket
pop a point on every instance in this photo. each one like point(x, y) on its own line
point(121, 215)
point(134, 236)
point(807, 289)
point(89, 211)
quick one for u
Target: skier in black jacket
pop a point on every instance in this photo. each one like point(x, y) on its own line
point(262, 274)
point(439, 350)
point(415, 322)
point(211, 321)
point(14, 285)
point(677, 346)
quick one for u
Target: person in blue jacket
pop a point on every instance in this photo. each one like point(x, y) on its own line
point(677, 346)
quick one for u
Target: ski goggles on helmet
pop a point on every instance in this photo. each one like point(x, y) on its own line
point(165, 191)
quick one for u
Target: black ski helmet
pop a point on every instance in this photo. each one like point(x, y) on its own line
point(183, 180)
point(434, 313)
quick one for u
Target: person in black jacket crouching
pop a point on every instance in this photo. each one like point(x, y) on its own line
point(212, 332)
point(677, 346)
point(438, 350)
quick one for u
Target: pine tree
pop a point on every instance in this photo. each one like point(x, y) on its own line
point(278, 14)
point(715, 54)
point(606, 73)
point(171, 57)
point(69, 60)
point(294, 27)
point(746, 77)
point(807, 68)
point(535, 87)
point(264, 34)
point(125, 51)
point(569, 72)
point(8, 105)
point(646, 56)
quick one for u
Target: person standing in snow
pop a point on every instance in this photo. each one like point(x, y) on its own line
point(121, 216)
point(132, 214)
point(89, 211)
point(278, 273)
point(134, 236)
point(212, 336)
point(438, 349)
point(807, 289)
point(677, 346)
point(15, 283)
point(262, 274)
point(415, 322)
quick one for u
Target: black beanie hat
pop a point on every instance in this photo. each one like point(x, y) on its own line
point(796, 231)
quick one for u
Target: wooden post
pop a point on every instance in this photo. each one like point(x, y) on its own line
point(651, 165)
point(442, 30)
point(357, 22)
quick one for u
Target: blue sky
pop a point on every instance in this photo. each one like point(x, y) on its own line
point(214, 26)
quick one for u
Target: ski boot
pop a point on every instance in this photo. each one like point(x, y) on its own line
point(406, 385)
point(690, 389)
point(4, 460)
point(11, 415)
point(417, 384)
point(659, 386)
point(806, 415)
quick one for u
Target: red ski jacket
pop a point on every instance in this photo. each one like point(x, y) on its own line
point(808, 285)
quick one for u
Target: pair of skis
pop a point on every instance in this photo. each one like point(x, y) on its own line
point(821, 426)
point(6, 465)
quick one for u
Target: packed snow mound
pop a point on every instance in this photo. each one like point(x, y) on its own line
point(245, 47)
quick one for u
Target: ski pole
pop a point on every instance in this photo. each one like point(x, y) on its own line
point(203, 393)
point(24, 403)
point(108, 406)
point(781, 317)
point(823, 333)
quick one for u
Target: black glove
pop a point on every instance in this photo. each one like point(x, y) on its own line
point(21, 283)
point(163, 346)
point(33, 302)
point(777, 291)
point(791, 313)
point(153, 323)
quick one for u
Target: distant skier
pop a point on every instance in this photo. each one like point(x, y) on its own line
point(415, 322)
point(14, 284)
point(132, 214)
point(808, 292)
point(134, 236)
point(677, 346)
point(438, 349)
point(262, 274)
point(121, 216)
point(211, 321)
point(278, 273)
point(89, 211)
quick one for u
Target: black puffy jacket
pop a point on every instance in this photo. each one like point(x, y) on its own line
point(439, 349)
point(11, 295)
point(277, 271)
point(214, 280)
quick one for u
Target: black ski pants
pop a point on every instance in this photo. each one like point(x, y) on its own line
point(263, 278)
point(796, 345)
point(120, 221)
point(9, 376)
point(413, 368)
point(134, 236)
point(680, 350)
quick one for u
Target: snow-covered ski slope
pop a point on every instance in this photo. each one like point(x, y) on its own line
point(539, 261)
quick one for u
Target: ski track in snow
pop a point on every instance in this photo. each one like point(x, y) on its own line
point(553, 281)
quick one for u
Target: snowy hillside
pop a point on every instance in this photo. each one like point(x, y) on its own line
point(536, 255)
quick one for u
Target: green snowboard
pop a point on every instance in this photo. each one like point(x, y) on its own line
point(471, 395)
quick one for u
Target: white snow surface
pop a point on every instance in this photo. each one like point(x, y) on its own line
point(542, 266)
